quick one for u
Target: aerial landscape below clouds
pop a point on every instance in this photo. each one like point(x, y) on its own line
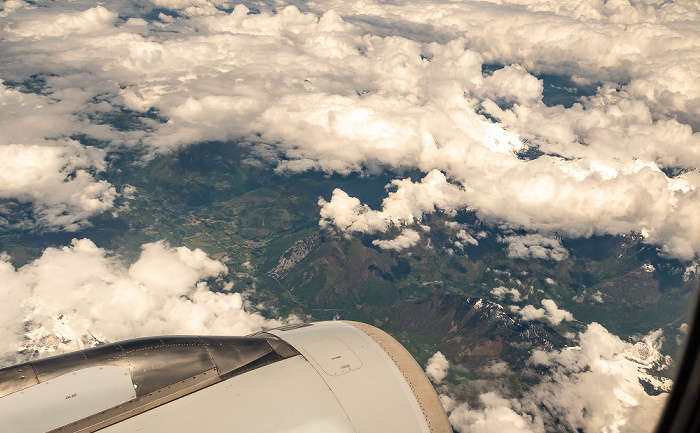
point(205, 166)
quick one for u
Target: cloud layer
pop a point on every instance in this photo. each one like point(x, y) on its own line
point(74, 296)
point(326, 88)
point(437, 367)
point(535, 246)
point(451, 89)
point(593, 387)
point(40, 165)
point(550, 312)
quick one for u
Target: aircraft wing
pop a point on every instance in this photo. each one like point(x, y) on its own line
point(329, 377)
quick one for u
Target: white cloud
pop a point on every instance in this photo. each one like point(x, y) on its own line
point(496, 416)
point(597, 387)
point(95, 19)
point(349, 215)
point(554, 314)
point(56, 180)
point(535, 246)
point(39, 165)
point(437, 367)
point(691, 271)
point(598, 296)
point(466, 237)
point(500, 293)
point(71, 294)
point(593, 41)
point(513, 84)
point(594, 387)
point(498, 369)
point(193, 7)
point(11, 5)
point(462, 234)
point(529, 312)
point(550, 312)
point(406, 239)
point(406, 205)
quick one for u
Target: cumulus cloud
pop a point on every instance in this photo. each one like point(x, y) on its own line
point(57, 176)
point(599, 41)
point(326, 89)
point(550, 312)
point(512, 84)
point(496, 416)
point(597, 385)
point(406, 205)
point(598, 296)
point(594, 387)
point(500, 293)
point(95, 19)
point(72, 296)
point(57, 181)
point(406, 239)
point(193, 7)
point(466, 237)
point(463, 236)
point(349, 215)
point(535, 246)
point(11, 5)
point(437, 367)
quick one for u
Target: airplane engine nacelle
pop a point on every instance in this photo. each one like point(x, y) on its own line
point(326, 377)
